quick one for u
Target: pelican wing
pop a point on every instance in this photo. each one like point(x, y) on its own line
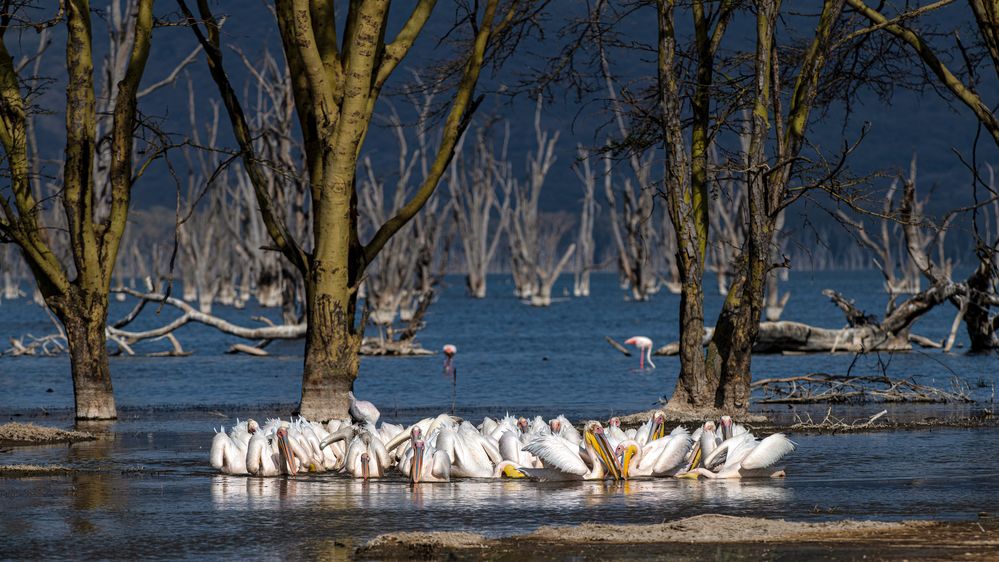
point(769, 452)
point(673, 455)
point(556, 454)
point(721, 454)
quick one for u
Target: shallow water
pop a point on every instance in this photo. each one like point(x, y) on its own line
point(150, 492)
point(146, 489)
point(509, 355)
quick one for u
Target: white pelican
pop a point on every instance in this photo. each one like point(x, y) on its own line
point(644, 346)
point(423, 463)
point(263, 460)
point(366, 457)
point(471, 454)
point(745, 457)
point(564, 461)
point(705, 442)
point(228, 451)
point(228, 454)
point(659, 457)
point(654, 428)
point(362, 410)
point(563, 427)
point(614, 432)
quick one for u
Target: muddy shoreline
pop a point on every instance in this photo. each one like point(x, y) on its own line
point(707, 537)
point(15, 434)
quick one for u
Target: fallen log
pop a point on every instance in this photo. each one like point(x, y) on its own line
point(613, 343)
point(380, 347)
point(796, 337)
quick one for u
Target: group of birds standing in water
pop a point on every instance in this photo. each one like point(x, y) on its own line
point(444, 447)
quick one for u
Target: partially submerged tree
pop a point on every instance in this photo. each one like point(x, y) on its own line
point(963, 85)
point(480, 200)
point(94, 204)
point(401, 283)
point(337, 82)
point(535, 239)
point(584, 262)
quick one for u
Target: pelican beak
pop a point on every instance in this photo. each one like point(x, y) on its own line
point(365, 469)
point(286, 452)
point(511, 471)
point(629, 454)
point(658, 428)
point(417, 468)
point(695, 458)
point(689, 476)
point(599, 443)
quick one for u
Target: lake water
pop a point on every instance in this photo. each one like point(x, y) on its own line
point(146, 488)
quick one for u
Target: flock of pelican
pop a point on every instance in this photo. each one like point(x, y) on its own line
point(445, 447)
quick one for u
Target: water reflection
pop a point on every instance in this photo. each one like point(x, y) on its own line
point(344, 494)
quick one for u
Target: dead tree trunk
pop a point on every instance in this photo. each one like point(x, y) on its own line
point(535, 240)
point(977, 292)
point(473, 183)
point(632, 225)
point(585, 244)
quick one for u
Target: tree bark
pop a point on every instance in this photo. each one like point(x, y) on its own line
point(331, 349)
point(84, 319)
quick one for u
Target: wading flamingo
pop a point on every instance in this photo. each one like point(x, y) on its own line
point(644, 346)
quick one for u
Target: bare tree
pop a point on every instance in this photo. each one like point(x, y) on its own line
point(584, 262)
point(535, 240)
point(401, 283)
point(476, 185)
point(963, 85)
point(632, 226)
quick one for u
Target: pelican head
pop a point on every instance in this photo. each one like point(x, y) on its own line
point(658, 429)
point(416, 469)
point(555, 425)
point(522, 424)
point(726, 426)
point(415, 433)
point(252, 426)
point(450, 350)
point(626, 453)
point(284, 450)
point(597, 439)
point(614, 422)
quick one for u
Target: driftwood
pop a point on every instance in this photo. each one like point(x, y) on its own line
point(830, 422)
point(123, 339)
point(616, 345)
point(822, 387)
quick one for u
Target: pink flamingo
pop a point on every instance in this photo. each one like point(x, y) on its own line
point(644, 346)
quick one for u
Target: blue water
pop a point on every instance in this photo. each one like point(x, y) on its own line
point(145, 488)
point(510, 355)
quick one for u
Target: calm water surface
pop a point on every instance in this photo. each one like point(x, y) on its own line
point(146, 488)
